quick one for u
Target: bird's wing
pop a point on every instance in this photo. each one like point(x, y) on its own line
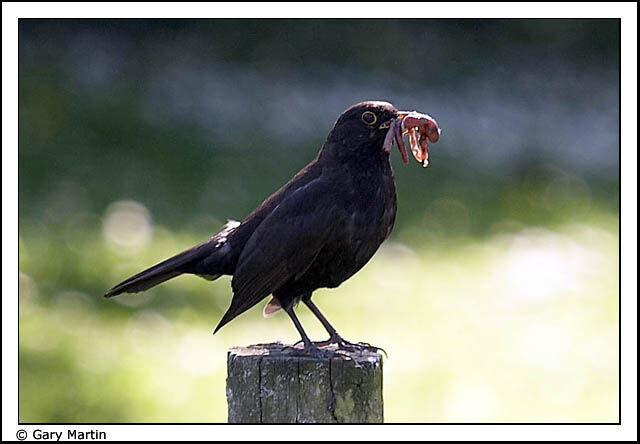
point(283, 246)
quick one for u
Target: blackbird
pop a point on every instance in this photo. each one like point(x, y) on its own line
point(317, 230)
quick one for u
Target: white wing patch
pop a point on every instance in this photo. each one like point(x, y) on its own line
point(228, 228)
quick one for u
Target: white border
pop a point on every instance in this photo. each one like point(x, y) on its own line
point(627, 11)
point(317, 10)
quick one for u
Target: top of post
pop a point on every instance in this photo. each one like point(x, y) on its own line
point(279, 350)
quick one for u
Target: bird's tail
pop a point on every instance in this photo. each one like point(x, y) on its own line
point(207, 260)
point(165, 270)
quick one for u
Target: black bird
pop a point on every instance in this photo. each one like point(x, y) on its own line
point(316, 231)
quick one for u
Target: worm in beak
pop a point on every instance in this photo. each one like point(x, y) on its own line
point(421, 129)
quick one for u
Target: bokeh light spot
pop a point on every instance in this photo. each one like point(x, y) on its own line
point(127, 224)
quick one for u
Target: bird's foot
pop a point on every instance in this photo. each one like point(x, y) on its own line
point(340, 345)
point(345, 345)
point(312, 350)
point(315, 352)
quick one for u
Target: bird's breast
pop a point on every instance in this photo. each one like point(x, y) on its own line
point(369, 210)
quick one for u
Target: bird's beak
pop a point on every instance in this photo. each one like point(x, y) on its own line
point(421, 128)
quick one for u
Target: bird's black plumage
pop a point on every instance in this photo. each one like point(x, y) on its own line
point(316, 231)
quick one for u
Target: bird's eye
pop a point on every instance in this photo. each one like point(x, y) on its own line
point(369, 118)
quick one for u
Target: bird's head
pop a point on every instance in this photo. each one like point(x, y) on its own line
point(370, 128)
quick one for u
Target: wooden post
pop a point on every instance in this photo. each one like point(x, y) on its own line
point(270, 384)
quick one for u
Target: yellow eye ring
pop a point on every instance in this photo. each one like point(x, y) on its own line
point(369, 118)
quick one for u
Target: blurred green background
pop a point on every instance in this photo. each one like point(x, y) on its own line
point(496, 296)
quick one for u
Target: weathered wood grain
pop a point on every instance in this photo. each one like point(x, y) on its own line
point(273, 383)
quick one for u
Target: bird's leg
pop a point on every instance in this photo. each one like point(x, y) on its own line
point(309, 347)
point(334, 337)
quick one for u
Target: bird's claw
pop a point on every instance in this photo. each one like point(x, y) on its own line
point(343, 344)
point(311, 350)
point(315, 352)
point(316, 348)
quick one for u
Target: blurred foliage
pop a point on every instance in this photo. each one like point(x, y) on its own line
point(496, 297)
